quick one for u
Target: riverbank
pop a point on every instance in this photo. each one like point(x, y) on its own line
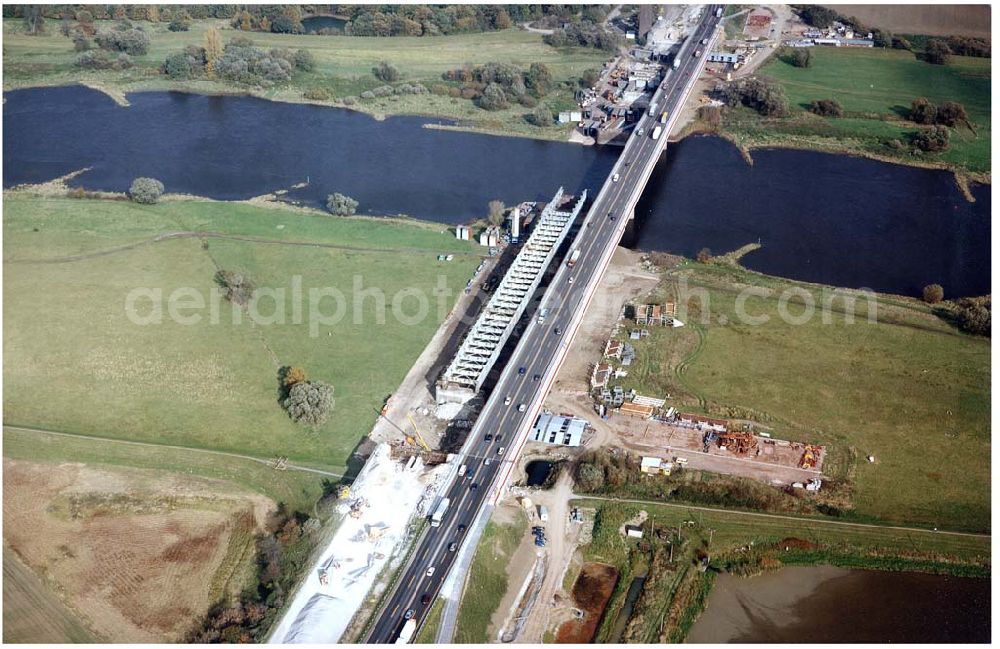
point(676, 540)
point(343, 71)
point(875, 88)
point(86, 255)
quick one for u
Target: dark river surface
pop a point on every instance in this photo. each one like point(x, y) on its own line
point(800, 605)
point(832, 219)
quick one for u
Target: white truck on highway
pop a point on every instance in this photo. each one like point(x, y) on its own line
point(573, 256)
point(657, 131)
point(541, 315)
point(718, 12)
point(407, 633)
point(677, 62)
point(438, 514)
point(652, 109)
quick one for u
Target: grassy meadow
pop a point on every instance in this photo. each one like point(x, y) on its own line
point(909, 390)
point(487, 581)
point(343, 66)
point(875, 88)
point(205, 385)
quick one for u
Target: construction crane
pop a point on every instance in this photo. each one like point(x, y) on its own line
point(417, 432)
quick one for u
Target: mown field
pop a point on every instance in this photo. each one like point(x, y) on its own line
point(909, 390)
point(344, 66)
point(138, 554)
point(76, 362)
point(32, 612)
point(875, 88)
point(487, 581)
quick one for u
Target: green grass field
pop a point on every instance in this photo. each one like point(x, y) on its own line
point(298, 490)
point(909, 389)
point(428, 630)
point(487, 581)
point(208, 385)
point(875, 88)
point(735, 529)
point(344, 66)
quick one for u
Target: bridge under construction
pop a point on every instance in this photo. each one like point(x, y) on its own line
point(481, 347)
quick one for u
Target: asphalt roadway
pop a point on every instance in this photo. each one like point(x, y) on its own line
point(514, 404)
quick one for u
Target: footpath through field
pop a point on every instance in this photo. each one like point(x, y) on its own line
point(286, 465)
point(798, 519)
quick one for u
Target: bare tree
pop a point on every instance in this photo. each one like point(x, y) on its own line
point(497, 209)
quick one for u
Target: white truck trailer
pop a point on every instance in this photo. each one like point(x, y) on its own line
point(438, 514)
point(407, 633)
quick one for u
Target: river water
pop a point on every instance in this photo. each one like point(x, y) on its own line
point(827, 604)
point(825, 218)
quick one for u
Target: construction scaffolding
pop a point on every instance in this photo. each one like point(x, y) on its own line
point(465, 375)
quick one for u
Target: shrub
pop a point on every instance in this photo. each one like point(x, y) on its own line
point(826, 108)
point(538, 79)
point(493, 98)
point(585, 34)
point(145, 190)
point(131, 40)
point(817, 15)
point(589, 477)
point(950, 113)
point(762, 96)
point(238, 286)
point(367, 95)
point(541, 116)
point(80, 42)
point(317, 94)
point(933, 293)
point(341, 205)
point(923, 111)
point(972, 314)
point(936, 51)
point(179, 24)
point(102, 60)
point(251, 65)
point(350, 101)
point(304, 60)
point(933, 139)
point(900, 43)
point(704, 256)
point(386, 71)
point(286, 25)
point(590, 77)
point(178, 66)
point(969, 46)
point(309, 402)
point(801, 57)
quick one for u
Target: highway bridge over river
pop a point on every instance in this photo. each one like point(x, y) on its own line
point(516, 400)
